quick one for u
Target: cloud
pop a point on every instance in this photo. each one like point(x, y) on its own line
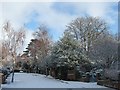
point(106, 10)
point(55, 15)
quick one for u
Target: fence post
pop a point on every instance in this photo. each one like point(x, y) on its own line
point(119, 81)
point(1, 79)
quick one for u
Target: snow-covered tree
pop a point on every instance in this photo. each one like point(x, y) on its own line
point(67, 52)
point(39, 47)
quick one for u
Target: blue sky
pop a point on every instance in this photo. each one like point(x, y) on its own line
point(65, 8)
point(74, 9)
point(33, 23)
point(56, 15)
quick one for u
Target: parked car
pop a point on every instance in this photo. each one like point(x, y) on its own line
point(5, 71)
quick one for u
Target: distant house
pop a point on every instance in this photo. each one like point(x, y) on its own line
point(20, 60)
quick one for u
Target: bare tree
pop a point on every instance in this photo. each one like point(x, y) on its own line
point(13, 41)
point(104, 51)
point(44, 41)
point(86, 30)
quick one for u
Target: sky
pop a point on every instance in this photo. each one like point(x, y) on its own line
point(55, 14)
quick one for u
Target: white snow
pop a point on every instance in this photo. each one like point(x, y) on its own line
point(32, 80)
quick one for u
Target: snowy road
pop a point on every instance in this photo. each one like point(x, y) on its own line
point(31, 80)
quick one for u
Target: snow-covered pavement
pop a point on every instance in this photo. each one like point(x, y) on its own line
point(31, 80)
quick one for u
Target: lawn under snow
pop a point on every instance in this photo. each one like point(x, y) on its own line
point(31, 80)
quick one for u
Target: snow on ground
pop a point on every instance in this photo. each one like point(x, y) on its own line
point(31, 80)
